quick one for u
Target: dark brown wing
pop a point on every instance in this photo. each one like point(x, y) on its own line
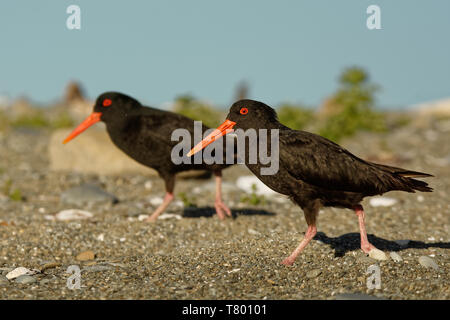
point(322, 163)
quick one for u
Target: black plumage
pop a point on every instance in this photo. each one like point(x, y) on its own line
point(316, 172)
point(144, 134)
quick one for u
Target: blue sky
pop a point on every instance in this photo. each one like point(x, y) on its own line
point(286, 50)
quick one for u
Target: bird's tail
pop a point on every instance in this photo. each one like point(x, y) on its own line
point(406, 177)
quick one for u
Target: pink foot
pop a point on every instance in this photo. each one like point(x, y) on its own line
point(222, 210)
point(366, 247)
point(288, 261)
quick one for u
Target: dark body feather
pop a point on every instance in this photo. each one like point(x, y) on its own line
point(314, 171)
point(144, 134)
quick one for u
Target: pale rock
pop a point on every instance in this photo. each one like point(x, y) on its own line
point(91, 152)
point(73, 214)
point(427, 262)
point(143, 217)
point(377, 254)
point(382, 202)
point(165, 216)
point(17, 272)
point(396, 257)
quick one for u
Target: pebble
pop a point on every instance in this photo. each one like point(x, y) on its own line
point(73, 214)
point(427, 262)
point(50, 265)
point(86, 256)
point(156, 201)
point(17, 273)
point(313, 273)
point(148, 185)
point(87, 194)
point(3, 280)
point(169, 216)
point(48, 279)
point(253, 232)
point(97, 268)
point(377, 254)
point(25, 279)
point(143, 217)
point(382, 202)
point(396, 257)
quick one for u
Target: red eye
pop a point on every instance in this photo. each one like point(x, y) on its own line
point(107, 102)
point(243, 111)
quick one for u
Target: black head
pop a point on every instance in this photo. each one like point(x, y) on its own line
point(244, 114)
point(115, 106)
point(252, 114)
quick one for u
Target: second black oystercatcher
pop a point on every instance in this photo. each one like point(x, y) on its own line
point(316, 172)
point(144, 134)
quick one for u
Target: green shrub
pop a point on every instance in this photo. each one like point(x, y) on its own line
point(354, 103)
point(63, 120)
point(197, 110)
point(188, 203)
point(294, 117)
point(35, 120)
point(15, 195)
point(253, 198)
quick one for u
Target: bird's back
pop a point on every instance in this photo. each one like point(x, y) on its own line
point(322, 163)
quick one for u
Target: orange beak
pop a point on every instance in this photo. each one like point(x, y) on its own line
point(89, 121)
point(222, 130)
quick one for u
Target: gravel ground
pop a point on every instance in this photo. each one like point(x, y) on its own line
point(200, 257)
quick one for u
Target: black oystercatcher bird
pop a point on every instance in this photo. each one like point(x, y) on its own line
point(315, 172)
point(144, 134)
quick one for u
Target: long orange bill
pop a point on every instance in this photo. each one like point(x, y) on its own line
point(222, 130)
point(89, 121)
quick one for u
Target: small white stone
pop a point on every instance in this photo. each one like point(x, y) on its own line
point(169, 216)
point(122, 239)
point(142, 217)
point(420, 198)
point(431, 239)
point(377, 254)
point(101, 237)
point(178, 203)
point(427, 262)
point(73, 214)
point(156, 201)
point(148, 185)
point(396, 257)
point(382, 202)
point(17, 272)
point(254, 232)
point(234, 270)
point(41, 210)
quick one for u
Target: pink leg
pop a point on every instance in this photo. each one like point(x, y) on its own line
point(366, 246)
point(218, 204)
point(310, 233)
point(167, 200)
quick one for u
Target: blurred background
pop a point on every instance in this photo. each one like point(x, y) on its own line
point(384, 94)
point(317, 63)
point(302, 57)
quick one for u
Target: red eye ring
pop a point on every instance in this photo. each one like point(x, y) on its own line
point(107, 102)
point(243, 111)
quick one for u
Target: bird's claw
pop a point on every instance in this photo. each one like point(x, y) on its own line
point(151, 219)
point(220, 209)
point(288, 261)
